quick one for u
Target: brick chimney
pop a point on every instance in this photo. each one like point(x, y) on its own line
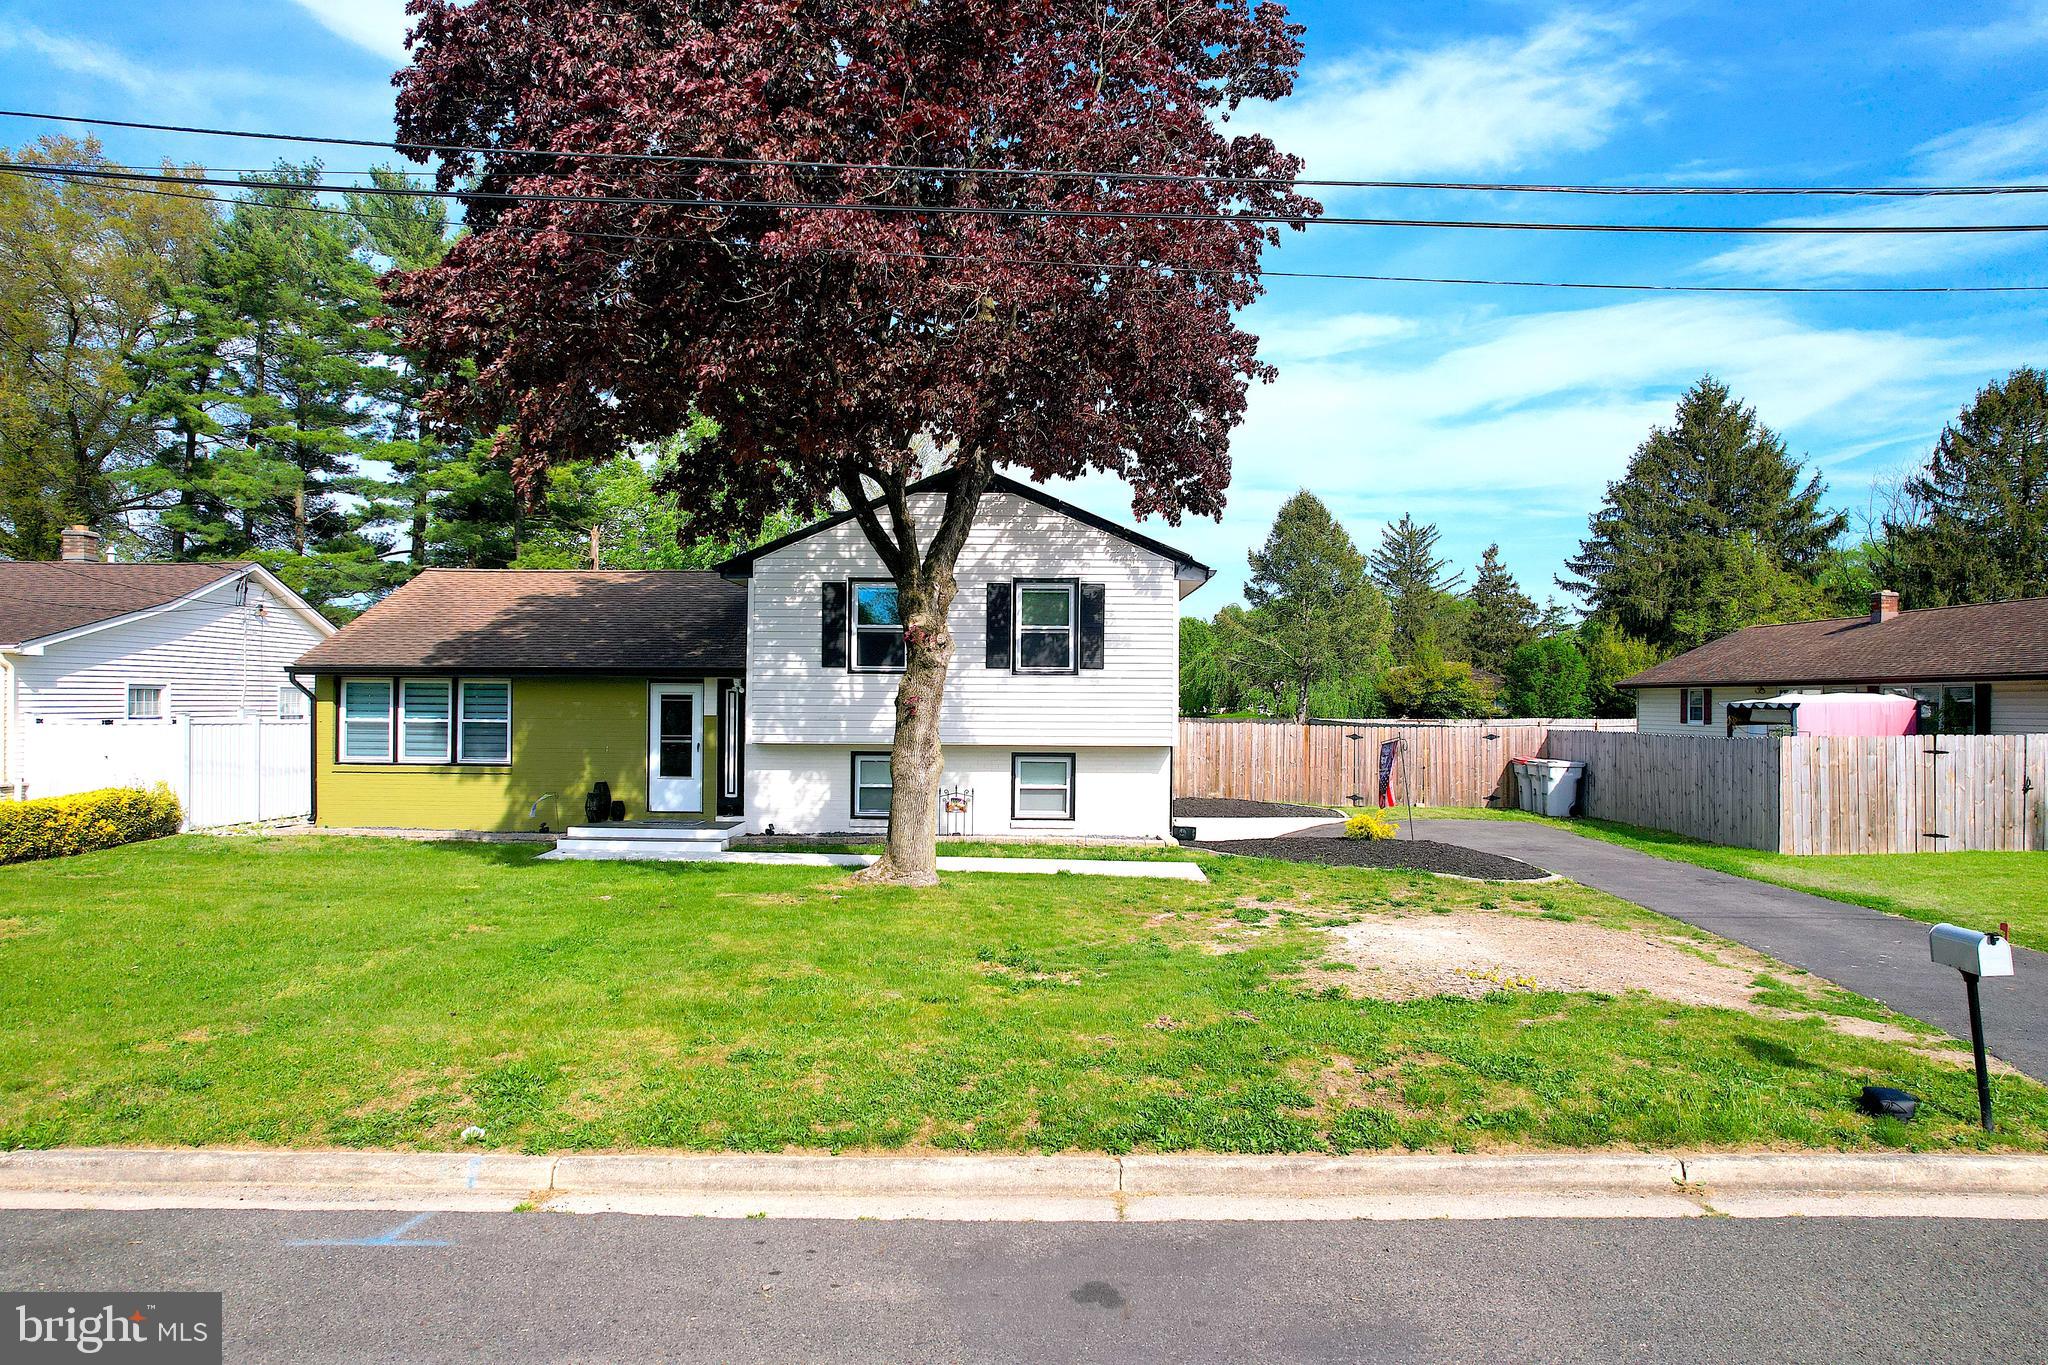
point(1883, 607)
point(81, 545)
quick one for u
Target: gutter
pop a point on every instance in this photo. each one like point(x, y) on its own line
point(312, 746)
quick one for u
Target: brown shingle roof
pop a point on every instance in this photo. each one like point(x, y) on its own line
point(1993, 640)
point(545, 621)
point(39, 598)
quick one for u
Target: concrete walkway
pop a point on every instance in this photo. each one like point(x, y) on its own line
point(1874, 954)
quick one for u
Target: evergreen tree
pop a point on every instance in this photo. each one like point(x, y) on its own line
point(1974, 527)
point(1612, 657)
point(1313, 615)
point(1746, 587)
point(1419, 593)
point(1658, 545)
point(1500, 617)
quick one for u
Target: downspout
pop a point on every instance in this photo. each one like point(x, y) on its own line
point(312, 747)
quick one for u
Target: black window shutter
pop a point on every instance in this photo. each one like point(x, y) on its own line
point(997, 654)
point(1983, 708)
point(1094, 611)
point(832, 626)
point(1706, 706)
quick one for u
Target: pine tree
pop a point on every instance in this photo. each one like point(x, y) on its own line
point(1314, 615)
point(1974, 527)
point(1657, 548)
point(1548, 677)
point(1409, 572)
point(1500, 617)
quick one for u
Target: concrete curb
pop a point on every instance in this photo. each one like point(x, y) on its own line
point(1045, 1188)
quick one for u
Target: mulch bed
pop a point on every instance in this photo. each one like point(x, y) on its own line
point(1230, 808)
point(1421, 855)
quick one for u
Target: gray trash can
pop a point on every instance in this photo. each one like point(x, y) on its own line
point(1556, 785)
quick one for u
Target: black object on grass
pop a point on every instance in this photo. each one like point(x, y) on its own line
point(1884, 1102)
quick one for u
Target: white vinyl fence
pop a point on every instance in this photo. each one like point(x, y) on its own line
point(225, 772)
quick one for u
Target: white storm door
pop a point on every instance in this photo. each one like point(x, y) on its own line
point(675, 747)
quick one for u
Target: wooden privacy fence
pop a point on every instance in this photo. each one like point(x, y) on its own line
point(1798, 794)
point(1327, 762)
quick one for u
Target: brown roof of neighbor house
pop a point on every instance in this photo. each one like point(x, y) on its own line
point(1976, 643)
point(546, 621)
point(39, 598)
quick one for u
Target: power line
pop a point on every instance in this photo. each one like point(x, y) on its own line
point(1169, 177)
point(1048, 213)
point(1474, 281)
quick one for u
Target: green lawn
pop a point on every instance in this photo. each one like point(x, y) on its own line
point(359, 992)
point(1980, 890)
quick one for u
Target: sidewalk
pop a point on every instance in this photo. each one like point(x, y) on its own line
point(1043, 1188)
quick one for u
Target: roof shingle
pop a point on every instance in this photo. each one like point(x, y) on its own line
point(39, 598)
point(1989, 641)
point(546, 621)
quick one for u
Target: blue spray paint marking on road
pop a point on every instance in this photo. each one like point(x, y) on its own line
point(476, 1165)
point(393, 1237)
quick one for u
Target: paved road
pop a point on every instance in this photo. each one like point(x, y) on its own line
point(559, 1287)
point(1874, 954)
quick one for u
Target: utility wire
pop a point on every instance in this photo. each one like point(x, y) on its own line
point(1169, 177)
point(1586, 285)
point(1035, 212)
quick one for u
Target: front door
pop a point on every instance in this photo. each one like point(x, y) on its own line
point(675, 747)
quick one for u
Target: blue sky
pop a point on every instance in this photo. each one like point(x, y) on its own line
point(1500, 414)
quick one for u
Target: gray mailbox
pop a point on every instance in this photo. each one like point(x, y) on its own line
point(1976, 956)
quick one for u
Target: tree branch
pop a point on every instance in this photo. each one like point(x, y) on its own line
point(863, 508)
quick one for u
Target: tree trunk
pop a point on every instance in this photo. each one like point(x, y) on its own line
point(915, 758)
point(925, 588)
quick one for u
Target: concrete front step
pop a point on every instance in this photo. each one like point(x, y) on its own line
point(680, 834)
point(641, 849)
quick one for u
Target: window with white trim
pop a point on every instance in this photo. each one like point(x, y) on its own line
point(1045, 627)
point(291, 703)
point(145, 701)
point(486, 725)
point(425, 719)
point(1043, 786)
point(877, 627)
point(366, 720)
point(1694, 706)
point(873, 782)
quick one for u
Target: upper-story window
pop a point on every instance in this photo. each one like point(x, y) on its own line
point(1045, 627)
point(877, 627)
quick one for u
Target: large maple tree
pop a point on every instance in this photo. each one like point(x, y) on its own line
point(840, 348)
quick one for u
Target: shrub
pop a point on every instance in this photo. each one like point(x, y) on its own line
point(59, 826)
point(1370, 824)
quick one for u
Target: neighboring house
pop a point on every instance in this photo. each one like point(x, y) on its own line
point(82, 640)
point(1977, 670)
point(765, 692)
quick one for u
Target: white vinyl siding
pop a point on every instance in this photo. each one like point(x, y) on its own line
point(1131, 701)
point(486, 721)
point(1118, 792)
point(2019, 708)
point(215, 659)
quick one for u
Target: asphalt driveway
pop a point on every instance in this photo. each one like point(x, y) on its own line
point(1874, 954)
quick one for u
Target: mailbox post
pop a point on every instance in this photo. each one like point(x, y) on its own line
point(1975, 955)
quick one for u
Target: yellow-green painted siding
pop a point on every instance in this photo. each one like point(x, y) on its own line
point(568, 734)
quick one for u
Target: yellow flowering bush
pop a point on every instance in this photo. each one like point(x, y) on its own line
point(1370, 824)
point(59, 826)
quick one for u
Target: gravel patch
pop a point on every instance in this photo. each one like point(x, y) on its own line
point(1420, 855)
point(1231, 808)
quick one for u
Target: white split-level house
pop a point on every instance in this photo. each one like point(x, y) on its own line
point(86, 641)
point(763, 694)
point(1979, 669)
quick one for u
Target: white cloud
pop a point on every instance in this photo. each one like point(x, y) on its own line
point(2013, 149)
point(78, 57)
point(1483, 105)
point(378, 25)
point(1509, 428)
point(1311, 338)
